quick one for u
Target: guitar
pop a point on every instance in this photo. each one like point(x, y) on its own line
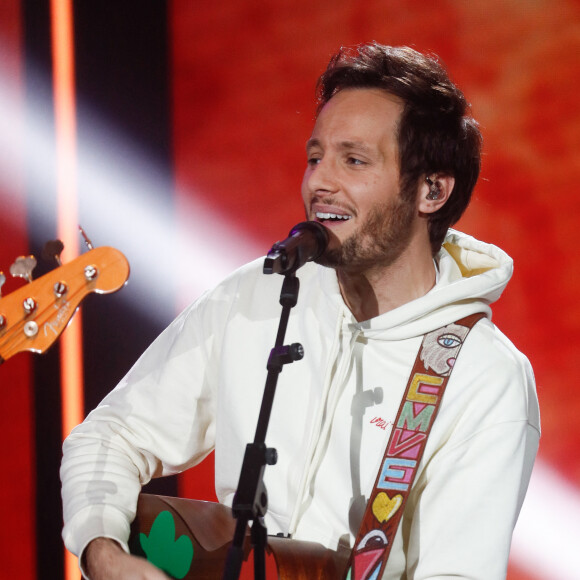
point(189, 539)
point(33, 316)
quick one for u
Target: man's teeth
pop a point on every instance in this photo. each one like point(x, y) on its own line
point(331, 216)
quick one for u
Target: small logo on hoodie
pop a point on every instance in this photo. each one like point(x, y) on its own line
point(381, 423)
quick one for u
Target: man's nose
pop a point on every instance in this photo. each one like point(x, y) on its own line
point(322, 178)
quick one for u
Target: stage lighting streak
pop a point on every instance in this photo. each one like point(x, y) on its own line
point(126, 201)
point(27, 132)
point(67, 212)
point(547, 536)
point(11, 135)
point(71, 344)
point(176, 244)
point(65, 123)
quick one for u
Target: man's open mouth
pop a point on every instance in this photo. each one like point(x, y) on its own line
point(323, 216)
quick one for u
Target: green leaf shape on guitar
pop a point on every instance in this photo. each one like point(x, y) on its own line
point(173, 556)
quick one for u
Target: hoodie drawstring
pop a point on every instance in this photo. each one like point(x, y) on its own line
point(336, 374)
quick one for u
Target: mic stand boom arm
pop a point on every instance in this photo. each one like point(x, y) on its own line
point(251, 499)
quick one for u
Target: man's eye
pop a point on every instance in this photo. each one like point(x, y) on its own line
point(356, 161)
point(313, 160)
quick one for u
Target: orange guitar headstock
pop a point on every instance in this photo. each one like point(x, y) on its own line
point(33, 316)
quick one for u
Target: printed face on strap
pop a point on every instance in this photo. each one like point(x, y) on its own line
point(351, 182)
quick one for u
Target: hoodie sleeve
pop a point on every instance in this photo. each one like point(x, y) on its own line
point(158, 421)
point(466, 502)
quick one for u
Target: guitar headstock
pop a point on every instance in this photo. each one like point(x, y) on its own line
point(33, 316)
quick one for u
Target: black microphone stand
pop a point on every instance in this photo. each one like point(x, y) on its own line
point(251, 499)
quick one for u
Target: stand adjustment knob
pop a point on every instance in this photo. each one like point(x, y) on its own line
point(271, 456)
point(296, 351)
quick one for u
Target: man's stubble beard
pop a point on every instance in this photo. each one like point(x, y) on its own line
point(379, 241)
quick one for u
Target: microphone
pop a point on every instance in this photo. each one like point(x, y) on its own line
point(306, 242)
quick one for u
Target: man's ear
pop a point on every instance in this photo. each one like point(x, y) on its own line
point(434, 192)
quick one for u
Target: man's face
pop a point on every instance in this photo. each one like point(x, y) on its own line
point(351, 183)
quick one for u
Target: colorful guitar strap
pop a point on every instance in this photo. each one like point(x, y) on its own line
point(406, 445)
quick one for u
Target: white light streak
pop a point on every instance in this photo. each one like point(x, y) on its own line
point(546, 540)
point(174, 251)
point(126, 201)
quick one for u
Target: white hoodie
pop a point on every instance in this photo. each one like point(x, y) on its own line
point(201, 382)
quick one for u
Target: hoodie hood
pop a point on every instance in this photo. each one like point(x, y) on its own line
point(471, 276)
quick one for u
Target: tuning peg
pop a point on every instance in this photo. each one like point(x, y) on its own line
point(52, 251)
point(22, 267)
point(2, 280)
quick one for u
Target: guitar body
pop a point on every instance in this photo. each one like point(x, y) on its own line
point(168, 530)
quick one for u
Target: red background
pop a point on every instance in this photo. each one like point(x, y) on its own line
point(241, 88)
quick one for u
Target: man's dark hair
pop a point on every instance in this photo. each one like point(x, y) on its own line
point(436, 132)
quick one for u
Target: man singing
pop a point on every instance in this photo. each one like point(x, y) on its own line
point(396, 310)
